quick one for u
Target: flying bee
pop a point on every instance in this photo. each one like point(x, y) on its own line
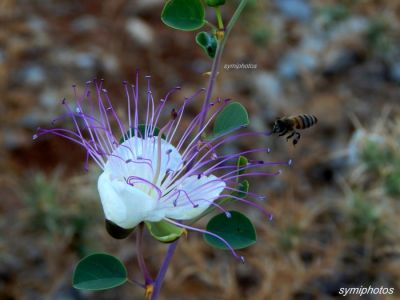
point(286, 125)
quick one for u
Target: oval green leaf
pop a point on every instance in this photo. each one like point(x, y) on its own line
point(99, 271)
point(232, 117)
point(184, 15)
point(237, 230)
point(208, 42)
point(164, 232)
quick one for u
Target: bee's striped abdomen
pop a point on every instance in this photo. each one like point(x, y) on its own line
point(305, 121)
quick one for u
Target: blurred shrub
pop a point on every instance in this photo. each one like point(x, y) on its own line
point(289, 237)
point(333, 14)
point(375, 155)
point(382, 160)
point(55, 208)
point(381, 39)
point(392, 183)
point(365, 218)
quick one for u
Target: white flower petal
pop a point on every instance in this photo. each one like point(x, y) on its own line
point(124, 205)
point(139, 157)
point(199, 192)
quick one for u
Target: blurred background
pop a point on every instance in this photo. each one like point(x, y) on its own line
point(335, 209)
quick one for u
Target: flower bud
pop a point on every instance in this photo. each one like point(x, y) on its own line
point(214, 3)
point(116, 231)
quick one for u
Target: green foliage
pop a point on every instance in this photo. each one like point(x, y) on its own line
point(214, 3)
point(333, 14)
point(392, 183)
point(237, 230)
point(207, 42)
point(244, 188)
point(381, 39)
point(289, 237)
point(242, 162)
point(383, 162)
point(52, 210)
point(99, 271)
point(261, 36)
point(364, 218)
point(233, 116)
point(164, 232)
point(142, 132)
point(41, 196)
point(184, 15)
point(375, 155)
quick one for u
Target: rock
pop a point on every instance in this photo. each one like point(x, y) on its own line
point(32, 75)
point(66, 292)
point(84, 23)
point(13, 139)
point(85, 60)
point(268, 86)
point(295, 9)
point(348, 29)
point(296, 62)
point(85, 64)
point(49, 99)
point(144, 6)
point(33, 120)
point(110, 63)
point(140, 31)
point(2, 56)
point(395, 72)
point(38, 26)
point(338, 60)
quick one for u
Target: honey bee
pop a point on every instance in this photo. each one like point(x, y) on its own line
point(286, 125)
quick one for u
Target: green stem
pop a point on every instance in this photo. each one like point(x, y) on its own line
point(235, 17)
point(213, 75)
point(217, 59)
point(163, 270)
point(139, 249)
point(219, 17)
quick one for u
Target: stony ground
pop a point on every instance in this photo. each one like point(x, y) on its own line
point(335, 209)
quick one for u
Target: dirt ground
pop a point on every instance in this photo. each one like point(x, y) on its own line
point(335, 208)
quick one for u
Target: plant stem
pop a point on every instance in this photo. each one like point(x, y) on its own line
point(217, 60)
point(163, 270)
point(219, 17)
point(214, 71)
point(141, 262)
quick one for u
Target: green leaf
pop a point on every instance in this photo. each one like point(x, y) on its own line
point(232, 117)
point(208, 42)
point(142, 131)
point(244, 188)
point(242, 162)
point(99, 271)
point(237, 230)
point(184, 15)
point(164, 232)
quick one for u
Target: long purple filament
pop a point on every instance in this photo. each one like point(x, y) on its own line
point(93, 131)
